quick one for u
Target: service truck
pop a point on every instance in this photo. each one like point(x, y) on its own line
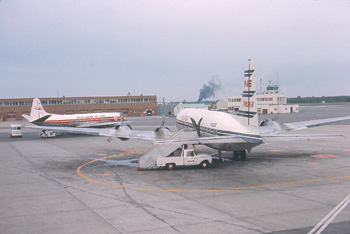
point(188, 157)
point(47, 134)
point(15, 130)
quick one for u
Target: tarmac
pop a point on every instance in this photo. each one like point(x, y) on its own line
point(84, 184)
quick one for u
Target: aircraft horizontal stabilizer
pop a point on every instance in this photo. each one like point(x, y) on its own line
point(27, 117)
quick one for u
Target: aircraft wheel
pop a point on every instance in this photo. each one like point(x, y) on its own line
point(170, 166)
point(235, 155)
point(204, 164)
point(243, 155)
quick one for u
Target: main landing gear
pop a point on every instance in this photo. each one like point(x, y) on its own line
point(239, 155)
point(242, 154)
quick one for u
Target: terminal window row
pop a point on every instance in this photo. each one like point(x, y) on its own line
point(234, 99)
point(73, 102)
point(265, 99)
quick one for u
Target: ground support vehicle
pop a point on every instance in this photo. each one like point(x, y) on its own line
point(188, 157)
point(15, 130)
point(47, 133)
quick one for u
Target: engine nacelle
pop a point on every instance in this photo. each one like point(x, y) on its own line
point(123, 131)
point(162, 132)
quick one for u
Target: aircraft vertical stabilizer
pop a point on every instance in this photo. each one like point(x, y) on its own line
point(248, 111)
point(37, 112)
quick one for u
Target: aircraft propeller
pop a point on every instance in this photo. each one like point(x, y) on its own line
point(162, 131)
point(123, 130)
point(267, 122)
point(196, 126)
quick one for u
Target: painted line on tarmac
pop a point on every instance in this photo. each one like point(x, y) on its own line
point(106, 174)
point(322, 156)
point(330, 217)
point(296, 159)
point(131, 149)
point(79, 169)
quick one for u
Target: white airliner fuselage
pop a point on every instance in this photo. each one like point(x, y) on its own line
point(39, 116)
point(76, 120)
point(220, 124)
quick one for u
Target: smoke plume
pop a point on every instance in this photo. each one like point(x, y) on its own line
point(207, 90)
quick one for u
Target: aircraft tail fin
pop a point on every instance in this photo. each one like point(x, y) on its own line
point(248, 111)
point(37, 112)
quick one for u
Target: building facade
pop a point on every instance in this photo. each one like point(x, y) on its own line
point(269, 102)
point(12, 109)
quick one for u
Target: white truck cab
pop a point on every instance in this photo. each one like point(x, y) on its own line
point(15, 130)
point(188, 157)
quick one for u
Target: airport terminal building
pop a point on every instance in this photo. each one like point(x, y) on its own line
point(12, 109)
point(269, 102)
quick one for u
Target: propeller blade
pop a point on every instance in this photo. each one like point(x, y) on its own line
point(122, 117)
point(163, 121)
point(275, 118)
point(196, 126)
point(111, 138)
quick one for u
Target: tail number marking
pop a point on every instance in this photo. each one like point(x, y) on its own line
point(248, 83)
point(248, 104)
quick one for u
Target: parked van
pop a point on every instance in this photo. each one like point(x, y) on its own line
point(15, 130)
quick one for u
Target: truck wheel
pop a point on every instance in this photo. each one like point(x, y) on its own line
point(204, 164)
point(170, 166)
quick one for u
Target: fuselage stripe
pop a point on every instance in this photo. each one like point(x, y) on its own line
point(213, 131)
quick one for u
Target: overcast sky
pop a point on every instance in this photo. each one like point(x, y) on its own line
point(171, 48)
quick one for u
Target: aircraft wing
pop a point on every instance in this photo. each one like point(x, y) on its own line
point(189, 137)
point(229, 139)
point(299, 137)
point(112, 133)
point(314, 123)
point(86, 131)
point(143, 135)
point(275, 128)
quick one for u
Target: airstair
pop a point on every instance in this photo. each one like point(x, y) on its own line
point(149, 160)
